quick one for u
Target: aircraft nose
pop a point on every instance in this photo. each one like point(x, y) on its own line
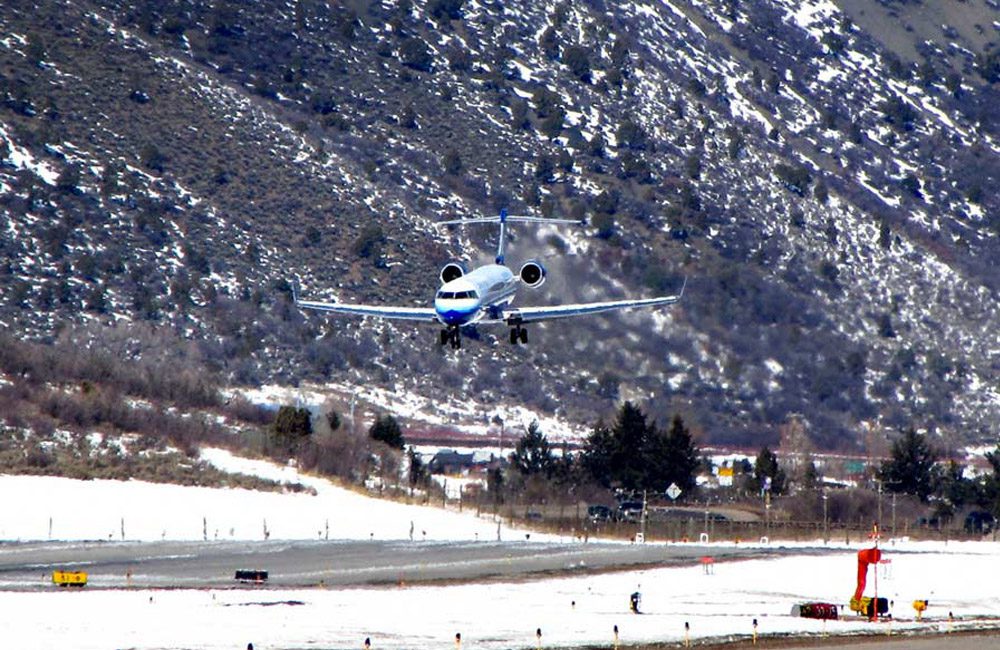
point(450, 315)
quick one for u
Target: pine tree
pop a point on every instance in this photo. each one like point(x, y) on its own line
point(418, 472)
point(36, 50)
point(495, 484)
point(370, 242)
point(597, 145)
point(445, 9)
point(545, 168)
point(766, 467)
point(69, 178)
point(519, 114)
point(552, 125)
point(632, 433)
point(386, 429)
point(810, 475)
point(152, 158)
point(533, 455)
point(414, 53)
point(452, 162)
point(683, 460)
point(954, 489)
point(989, 485)
point(408, 117)
point(549, 43)
point(631, 135)
point(291, 426)
point(577, 60)
point(596, 456)
point(911, 469)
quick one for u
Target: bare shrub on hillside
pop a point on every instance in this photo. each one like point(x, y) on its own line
point(342, 453)
point(244, 410)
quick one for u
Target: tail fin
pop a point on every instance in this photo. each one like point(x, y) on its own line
point(503, 219)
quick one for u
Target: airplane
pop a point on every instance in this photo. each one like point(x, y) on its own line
point(485, 294)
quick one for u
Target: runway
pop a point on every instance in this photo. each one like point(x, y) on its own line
point(310, 563)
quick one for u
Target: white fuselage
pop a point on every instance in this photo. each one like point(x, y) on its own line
point(483, 292)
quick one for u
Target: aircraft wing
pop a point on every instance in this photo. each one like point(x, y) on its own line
point(426, 314)
point(535, 314)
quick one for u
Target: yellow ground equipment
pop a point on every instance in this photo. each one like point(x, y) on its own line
point(69, 578)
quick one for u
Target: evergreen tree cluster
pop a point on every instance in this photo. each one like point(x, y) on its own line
point(634, 454)
point(914, 467)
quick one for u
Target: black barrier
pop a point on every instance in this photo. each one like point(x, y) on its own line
point(255, 576)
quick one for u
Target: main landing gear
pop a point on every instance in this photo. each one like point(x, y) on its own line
point(453, 336)
point(518, 335)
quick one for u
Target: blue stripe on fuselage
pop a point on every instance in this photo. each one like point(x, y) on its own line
point(453, 316)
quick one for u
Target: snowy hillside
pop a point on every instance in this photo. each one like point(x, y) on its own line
point(820, 173)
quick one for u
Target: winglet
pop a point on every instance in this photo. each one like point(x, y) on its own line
point(295, 290)
point(681, 294)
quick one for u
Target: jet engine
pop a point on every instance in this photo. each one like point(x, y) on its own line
point(532, 273)
point(452, 271)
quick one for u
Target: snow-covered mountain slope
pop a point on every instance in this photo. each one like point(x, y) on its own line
point(824, 186)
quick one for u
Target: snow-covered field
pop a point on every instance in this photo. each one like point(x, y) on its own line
point(507, 615)
point(571, 611)
point(66, 509)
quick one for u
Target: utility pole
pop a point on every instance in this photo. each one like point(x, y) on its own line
point(642, 522)
point(826, 530)
point(880, 502)
point(893, 514)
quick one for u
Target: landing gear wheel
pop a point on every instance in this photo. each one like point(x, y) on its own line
point(453, 336)
point(513, 337)
point(523, 333)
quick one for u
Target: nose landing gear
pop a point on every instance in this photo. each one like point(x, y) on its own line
point(453, 336)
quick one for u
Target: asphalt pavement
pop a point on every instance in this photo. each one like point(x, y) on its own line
point(311, 563)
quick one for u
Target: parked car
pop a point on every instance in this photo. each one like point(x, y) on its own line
point(929, 522)
point(979, 521)
point(599, 514)
point(630, 510)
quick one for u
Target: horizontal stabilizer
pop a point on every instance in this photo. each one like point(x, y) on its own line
point(522, 219)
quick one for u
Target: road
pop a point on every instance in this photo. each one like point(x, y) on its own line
point(965, 640)
point(307, 563)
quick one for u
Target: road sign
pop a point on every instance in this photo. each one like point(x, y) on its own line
point(673, 491)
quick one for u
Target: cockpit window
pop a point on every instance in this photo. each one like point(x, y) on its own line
point(457, 295)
